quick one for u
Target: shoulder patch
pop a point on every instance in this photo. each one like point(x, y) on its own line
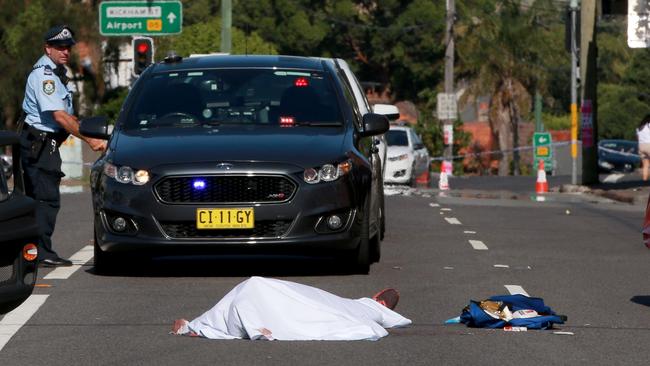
point(47, 70)
point(48, 87)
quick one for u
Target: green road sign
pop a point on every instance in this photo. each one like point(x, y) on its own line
point(156, 18)
point(543, 149)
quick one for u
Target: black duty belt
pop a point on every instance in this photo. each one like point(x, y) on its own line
point(37, 134)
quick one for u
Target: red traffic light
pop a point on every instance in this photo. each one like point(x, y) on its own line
point(143, 47)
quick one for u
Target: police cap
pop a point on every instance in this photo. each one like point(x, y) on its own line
point(61, 35)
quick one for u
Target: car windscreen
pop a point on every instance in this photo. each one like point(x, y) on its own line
point(247, 96)
point(397, 138)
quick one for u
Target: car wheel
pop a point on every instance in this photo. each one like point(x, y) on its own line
point(362, 262)
point(9, 306)
point(104, 262)
point(412, 177)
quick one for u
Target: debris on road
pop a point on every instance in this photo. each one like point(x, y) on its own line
point(510, 310)
point(563, 333)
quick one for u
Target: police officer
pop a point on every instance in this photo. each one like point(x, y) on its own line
point(47, 123)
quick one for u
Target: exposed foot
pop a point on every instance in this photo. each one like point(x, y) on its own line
point(387, 297)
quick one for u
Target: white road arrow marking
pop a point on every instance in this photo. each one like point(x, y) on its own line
point(171, 17)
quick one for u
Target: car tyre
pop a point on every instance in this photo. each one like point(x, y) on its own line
point(362, 262)
point(104, 262)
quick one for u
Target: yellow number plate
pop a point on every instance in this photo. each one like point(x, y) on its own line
point(225, 218)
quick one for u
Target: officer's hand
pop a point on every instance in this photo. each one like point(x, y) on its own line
point(96, 144)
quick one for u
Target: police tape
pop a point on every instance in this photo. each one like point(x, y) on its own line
point(501, 152)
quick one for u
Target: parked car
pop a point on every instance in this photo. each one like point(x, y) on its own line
point(407, 157)
point(238, 154)
point(18, 252)
point(646, 225)
point(618, 155)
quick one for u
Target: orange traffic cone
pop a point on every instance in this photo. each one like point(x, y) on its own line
point(542, 185)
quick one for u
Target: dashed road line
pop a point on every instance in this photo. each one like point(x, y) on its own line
point(516, 289)
point(469, 232)
point(15, 319)
point(445, 209)
point(78, 259)
point(478, 245)
point(453, 221)
point(501, 266)
point(434, 204)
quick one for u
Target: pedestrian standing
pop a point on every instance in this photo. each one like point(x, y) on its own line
point(48, 121)
point(643, 134)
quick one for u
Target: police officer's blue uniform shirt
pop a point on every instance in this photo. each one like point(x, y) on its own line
point(44, 94)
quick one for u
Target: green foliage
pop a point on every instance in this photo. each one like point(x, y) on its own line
point(205, 37)
point(619, 111)
point(112, 103)
point(430, 130)
point(553, 122)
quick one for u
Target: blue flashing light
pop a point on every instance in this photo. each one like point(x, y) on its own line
point(198, 184)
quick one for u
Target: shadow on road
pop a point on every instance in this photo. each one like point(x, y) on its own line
point(229, 266)
point(641, 300)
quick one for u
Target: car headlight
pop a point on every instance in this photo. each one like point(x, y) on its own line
point(399, 157)
point(327, 173)
point(126, 175)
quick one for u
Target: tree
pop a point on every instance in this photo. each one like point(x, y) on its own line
point(503, 45)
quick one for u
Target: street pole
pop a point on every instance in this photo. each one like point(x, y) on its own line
point(449, 75)
point(226, 26)
point(589, 85)
point(574, 95)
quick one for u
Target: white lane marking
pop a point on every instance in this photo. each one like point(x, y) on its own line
point(478, 245)
point(445, 209)
point(452, 220)
point(434, 204)
point(516, 289)
point(469, 232)
point(71, 189)
point(15, 319)
point(501, 266)
point(447, 267)
point(613, 178)
point(78, 259)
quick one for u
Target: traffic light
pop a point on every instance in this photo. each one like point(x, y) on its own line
point(142, 54)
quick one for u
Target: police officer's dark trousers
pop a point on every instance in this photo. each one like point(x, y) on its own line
point(42, 178)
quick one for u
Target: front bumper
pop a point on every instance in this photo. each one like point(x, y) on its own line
point(398, 171)
point(295, 227)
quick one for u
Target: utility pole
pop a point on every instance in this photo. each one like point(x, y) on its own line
point(589, 102)
point(226, 26)
point(573, 48)
point(449, 83)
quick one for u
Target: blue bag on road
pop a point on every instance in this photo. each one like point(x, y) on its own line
point(485, 314)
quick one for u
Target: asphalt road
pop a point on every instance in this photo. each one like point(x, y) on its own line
point(587, 262)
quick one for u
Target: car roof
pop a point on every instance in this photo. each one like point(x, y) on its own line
point(241, 61)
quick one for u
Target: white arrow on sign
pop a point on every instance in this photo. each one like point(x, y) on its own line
point(171, 17)
point(542, 139)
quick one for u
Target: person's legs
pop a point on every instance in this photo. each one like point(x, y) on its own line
point(645, 163)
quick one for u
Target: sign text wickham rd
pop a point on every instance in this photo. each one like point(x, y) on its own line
point(121, 18)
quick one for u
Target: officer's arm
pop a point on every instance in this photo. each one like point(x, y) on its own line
point(70, 123)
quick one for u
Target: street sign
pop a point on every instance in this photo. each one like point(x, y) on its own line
point(543, 150)
point(446, 107)
point(156, 18)
point(638, 26)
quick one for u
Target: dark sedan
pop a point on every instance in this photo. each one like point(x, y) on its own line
point(618, 155)
point(238, 154)
point(18, 230)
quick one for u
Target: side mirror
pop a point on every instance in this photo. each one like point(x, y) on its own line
point(95, 127)
point(418, 146)
point(374, 124)
point(390, 111)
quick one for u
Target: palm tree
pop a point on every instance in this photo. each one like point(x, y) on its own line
point(503, 46)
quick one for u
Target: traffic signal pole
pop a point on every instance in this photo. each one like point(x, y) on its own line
point(574, 94)
point(226, 25)
point(449, 78)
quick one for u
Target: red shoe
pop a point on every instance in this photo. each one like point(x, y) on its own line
point(387, 297)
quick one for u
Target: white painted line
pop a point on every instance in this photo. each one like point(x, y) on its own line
point(447, 267)
point(14, 320)
point(445, 209)
point(434, 204)
point(71, 189)
point(478, 245)
point(78, 259)
point(452, 220)
point(501, 266)
point(469, 232)
point(516, 289)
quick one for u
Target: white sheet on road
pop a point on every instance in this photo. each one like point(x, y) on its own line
point(291, 311)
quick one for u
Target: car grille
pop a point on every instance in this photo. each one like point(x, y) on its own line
point(263, 229)
point(226, 189)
